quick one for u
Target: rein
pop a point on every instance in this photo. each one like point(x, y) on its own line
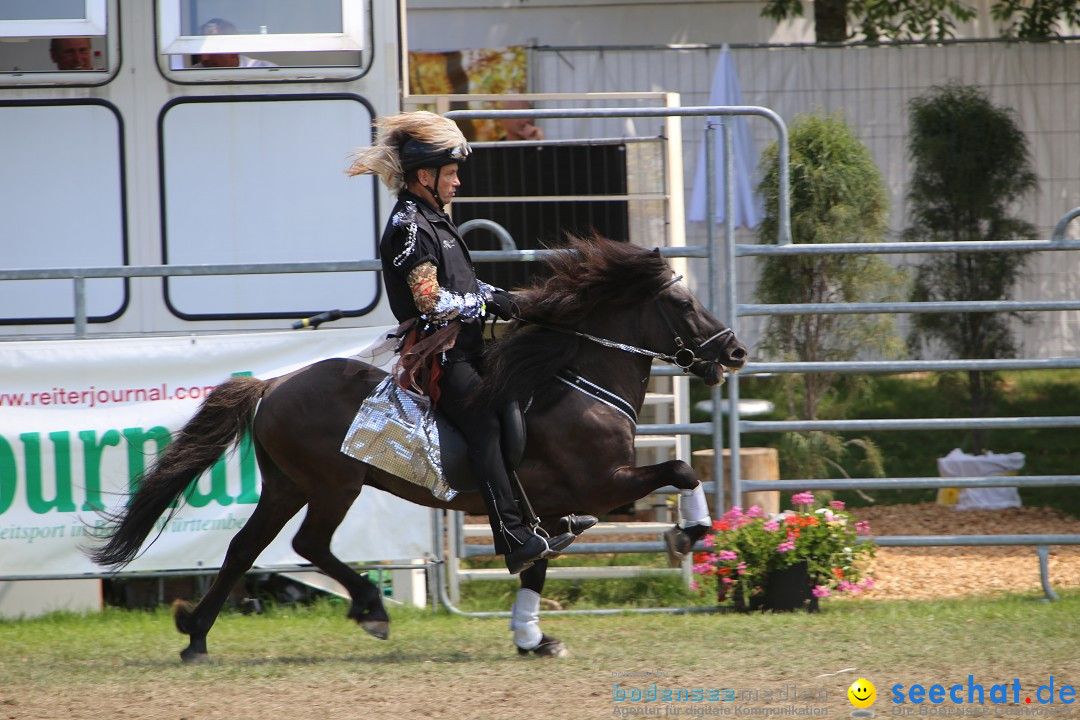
point(685, 357)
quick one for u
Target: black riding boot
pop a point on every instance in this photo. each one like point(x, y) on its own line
point(480, 426)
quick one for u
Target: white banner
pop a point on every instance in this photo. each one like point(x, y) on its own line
point(80, 418)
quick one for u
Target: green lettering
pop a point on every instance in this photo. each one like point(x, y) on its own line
point(218, 487)
point(137, 439)
point(249, 493)
point(9, 476)
point(62, 501)
point(92, 451)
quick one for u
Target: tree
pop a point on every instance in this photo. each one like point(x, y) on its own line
point(1031, 20)
point(840, 20)
point(876, 19)
point(837, 196)
point(971, 166)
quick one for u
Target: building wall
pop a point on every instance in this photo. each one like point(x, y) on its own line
point(459, 24)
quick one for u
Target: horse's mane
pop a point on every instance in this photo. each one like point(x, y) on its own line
point(590, 273)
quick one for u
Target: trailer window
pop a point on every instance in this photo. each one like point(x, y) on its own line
point(243, 185)
point(63, 188)
point(215, 40)
point(55, 42)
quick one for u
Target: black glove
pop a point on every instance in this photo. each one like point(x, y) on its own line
point(502, 305)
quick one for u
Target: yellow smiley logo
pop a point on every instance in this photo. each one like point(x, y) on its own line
point(862, 693)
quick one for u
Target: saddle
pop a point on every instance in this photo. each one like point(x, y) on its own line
point(455, 452)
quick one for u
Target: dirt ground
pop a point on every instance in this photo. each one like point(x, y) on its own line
point(917, 573)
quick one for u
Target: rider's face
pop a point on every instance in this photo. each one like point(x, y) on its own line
point(448, 181)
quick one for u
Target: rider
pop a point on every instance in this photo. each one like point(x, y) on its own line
point(430, 279)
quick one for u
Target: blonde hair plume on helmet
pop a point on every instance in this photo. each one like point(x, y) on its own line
point(382, 157)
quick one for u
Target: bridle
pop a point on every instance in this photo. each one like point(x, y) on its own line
point(685, 357)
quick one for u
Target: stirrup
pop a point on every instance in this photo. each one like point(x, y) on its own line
point(576, 524)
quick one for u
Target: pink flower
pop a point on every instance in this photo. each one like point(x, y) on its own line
point(820, 591)
point(726, 580)
point(771, 526)
point(694, 585)
point(803, 498)
point(740, 568)
point(845, 586)
point(862, 527)
point(787, 545)
point(755, 511)
point(734, 513)
point(836, 504)
point(868, 583)
point(727, 555)
point(708, 541)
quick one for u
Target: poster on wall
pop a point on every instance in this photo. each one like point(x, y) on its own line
point(80, 419)
point(493, 71)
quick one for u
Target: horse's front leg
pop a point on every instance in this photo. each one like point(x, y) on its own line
point(694, 521)
point(635, 483)
point(525, 616)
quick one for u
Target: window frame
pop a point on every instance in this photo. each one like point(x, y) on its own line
point(95, 23)
point(171, 302)
point(172, 42)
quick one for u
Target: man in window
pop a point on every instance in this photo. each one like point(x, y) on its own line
point(71, 53)
point(219, 26)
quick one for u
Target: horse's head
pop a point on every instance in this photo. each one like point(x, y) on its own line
point(685, 330)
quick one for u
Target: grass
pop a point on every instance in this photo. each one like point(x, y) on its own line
point(314, 651)
point(1048, 451)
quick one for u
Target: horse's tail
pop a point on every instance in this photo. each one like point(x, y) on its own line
point(222, 419)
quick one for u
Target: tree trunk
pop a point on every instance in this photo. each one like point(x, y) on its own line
point(830, 20)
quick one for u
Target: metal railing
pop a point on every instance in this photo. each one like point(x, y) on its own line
point(738, 426)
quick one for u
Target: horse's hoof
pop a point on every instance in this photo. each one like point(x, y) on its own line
point(677, 544)
point(378, 628)
point(549, 647)
point(679, 541)
point(193, 656)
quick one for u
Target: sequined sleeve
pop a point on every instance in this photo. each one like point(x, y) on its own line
point(488, 291)
point(436, 304)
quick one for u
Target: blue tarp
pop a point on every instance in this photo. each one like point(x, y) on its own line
point(747, 205)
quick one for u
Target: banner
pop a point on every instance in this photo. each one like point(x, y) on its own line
point(80, 418)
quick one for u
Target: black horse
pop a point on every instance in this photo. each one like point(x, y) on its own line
point(604, 310)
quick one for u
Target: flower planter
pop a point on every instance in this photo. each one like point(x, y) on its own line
point(757, 550)
point(785, 590)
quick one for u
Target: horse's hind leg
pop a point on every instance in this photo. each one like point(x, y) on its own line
point(280, 500)
point(325, 512)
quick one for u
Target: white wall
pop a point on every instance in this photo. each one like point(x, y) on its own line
point(459, 24)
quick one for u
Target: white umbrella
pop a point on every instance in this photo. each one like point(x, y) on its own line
point(747, 208)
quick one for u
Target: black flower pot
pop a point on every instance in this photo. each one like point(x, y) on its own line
point(785, 590)
point(790, 589)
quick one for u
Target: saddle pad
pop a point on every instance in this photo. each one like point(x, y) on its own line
point(395, 431)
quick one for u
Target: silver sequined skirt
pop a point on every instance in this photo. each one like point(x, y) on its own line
point(395, 431)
